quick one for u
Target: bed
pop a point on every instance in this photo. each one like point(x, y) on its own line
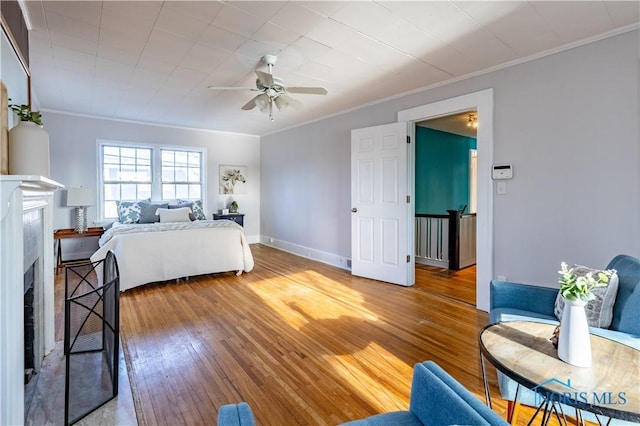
point(154, 252)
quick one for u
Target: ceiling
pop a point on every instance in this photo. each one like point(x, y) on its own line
point(151, 61)
point(458, 124)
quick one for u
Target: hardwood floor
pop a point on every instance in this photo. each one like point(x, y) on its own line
point(302, 342)
point(458, 285)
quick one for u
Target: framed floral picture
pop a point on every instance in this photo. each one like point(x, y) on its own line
point(233, 179)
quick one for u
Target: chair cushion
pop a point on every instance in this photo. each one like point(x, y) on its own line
point(395, 418)
point(599, 310)
point(510, 314)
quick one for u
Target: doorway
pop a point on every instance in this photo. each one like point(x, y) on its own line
point(445, 182)
point(482, 102)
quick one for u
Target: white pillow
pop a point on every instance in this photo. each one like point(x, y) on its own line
point(174, 215)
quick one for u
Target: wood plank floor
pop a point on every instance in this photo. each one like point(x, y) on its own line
point(304, 343)
point(458, 285)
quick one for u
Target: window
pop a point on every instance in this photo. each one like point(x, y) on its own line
point(135, 172)
point(181, 174)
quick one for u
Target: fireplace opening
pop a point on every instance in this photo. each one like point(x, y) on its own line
point(29, 324)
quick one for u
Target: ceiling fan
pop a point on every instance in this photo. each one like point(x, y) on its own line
point(273, 90)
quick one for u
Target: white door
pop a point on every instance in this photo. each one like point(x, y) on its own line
point(382, 206)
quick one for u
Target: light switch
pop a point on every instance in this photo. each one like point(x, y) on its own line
point(501, 187)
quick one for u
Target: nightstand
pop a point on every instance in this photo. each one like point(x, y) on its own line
point(61, 234)
point(235, 217)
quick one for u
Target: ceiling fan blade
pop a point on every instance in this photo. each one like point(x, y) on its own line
point(265, 78)
point(308, 90)
point(232, 88)
point(251, 104)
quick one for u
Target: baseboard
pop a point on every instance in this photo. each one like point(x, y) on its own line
point(307, 252)
point(76, 255)
point(253, 239)
point(432, 262)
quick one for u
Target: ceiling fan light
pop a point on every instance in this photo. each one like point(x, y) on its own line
point(281, 103)
point(262, 101)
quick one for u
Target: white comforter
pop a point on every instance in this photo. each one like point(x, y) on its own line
point(163, 251)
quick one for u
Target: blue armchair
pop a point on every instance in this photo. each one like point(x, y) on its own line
point(436, 399)
point(236, 415)
point(521, 302)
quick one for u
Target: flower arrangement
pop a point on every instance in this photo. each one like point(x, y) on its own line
point(574, 287)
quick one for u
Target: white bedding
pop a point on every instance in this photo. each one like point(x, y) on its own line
point(163, 251)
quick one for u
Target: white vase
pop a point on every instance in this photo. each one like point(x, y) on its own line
point(28, 150)
point(574, 342)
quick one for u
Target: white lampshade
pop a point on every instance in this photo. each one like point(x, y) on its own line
point(80, 197)
point(262, 101)
point(281, 102)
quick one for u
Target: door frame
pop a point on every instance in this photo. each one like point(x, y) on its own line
point(482, 102)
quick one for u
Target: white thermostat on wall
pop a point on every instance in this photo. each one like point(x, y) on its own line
point(502, 171)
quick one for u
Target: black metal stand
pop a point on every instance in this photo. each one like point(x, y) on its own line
point(92, 336)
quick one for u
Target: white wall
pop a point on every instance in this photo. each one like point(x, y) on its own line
point(74, 159)
point(567, 122)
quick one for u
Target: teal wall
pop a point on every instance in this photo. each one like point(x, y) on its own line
point(442, 171)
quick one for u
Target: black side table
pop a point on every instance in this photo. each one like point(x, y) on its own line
point(235, 217)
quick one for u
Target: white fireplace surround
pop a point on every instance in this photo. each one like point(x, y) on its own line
point(20, 195)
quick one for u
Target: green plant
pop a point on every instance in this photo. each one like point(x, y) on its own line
point(25, 113)
point(233, 206)
point(574, 287)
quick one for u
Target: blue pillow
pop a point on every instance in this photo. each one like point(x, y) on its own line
point(148, 212)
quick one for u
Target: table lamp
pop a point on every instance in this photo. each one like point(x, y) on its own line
point(80, 198)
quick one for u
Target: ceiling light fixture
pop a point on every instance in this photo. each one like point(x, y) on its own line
point(281, 102)
point(472, 121)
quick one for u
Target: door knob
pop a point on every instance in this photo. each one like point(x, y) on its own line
point(354, 210)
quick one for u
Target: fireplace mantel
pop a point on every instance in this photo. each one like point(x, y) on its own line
point(20, 195)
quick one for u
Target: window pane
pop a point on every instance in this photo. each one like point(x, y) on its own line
point(181, 174)
point(111, 171)
point(194, 192)
point(144, 156)
point(194, 159)
point(144, 174)
point(111, 159)
point(112, 192)
point(128, 192)
point(144, 192)
point(167, 174)
point(167, 158)
point(111, 151)
point(182, 191)
point(128, 156)
point(168, 191)
point(110, 209)
point(194, 175)
point(181, 159)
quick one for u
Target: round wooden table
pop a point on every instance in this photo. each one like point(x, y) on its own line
point(522, 351)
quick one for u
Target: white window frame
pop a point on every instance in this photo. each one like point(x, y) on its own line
point(156, 170)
